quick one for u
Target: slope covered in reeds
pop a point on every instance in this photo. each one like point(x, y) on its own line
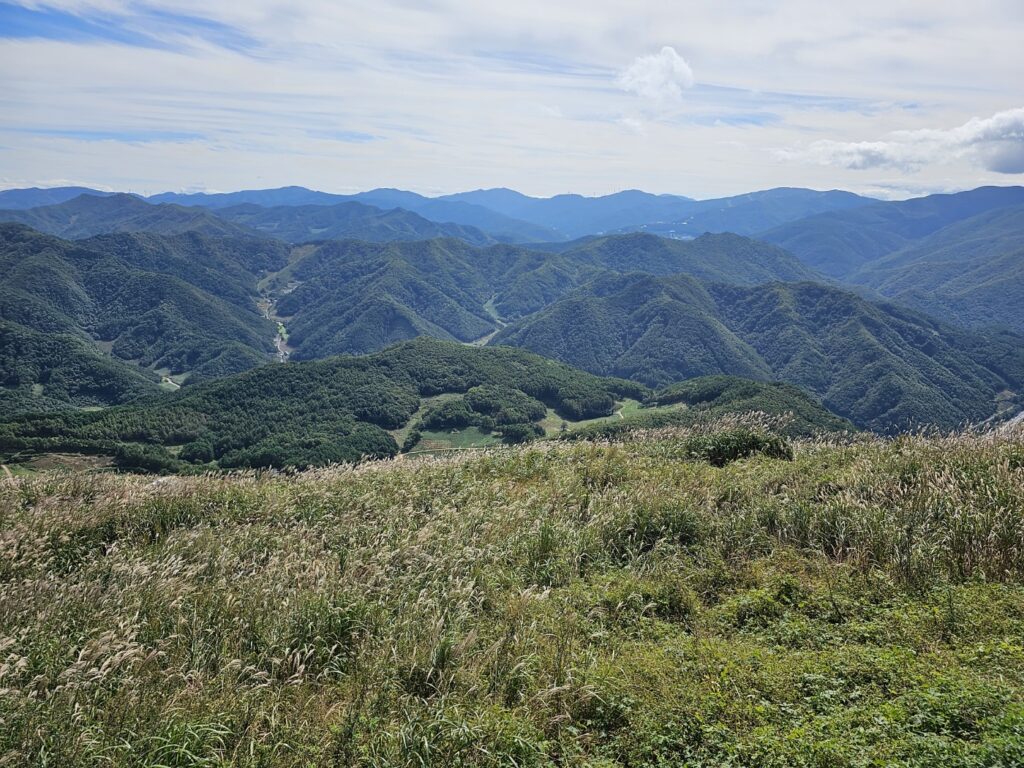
point(846, 603)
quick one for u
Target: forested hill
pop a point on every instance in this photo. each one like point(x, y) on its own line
point(56, 371)
point(351, 220)
point(354, 297)
point(89, 215)
point(970, 272)
point(186, 303)
point(340, 409)
point(883, 367)
point(719, 257)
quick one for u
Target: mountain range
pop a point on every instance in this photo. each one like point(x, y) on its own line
point(105, 295)
point(509, 216)
point(882, 366)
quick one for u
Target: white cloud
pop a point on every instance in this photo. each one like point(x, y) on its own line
point(661, 77)
point(470, 93)
point(995, 143)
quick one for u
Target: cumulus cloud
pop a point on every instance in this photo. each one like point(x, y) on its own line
point(995, 143)
point(661, 77)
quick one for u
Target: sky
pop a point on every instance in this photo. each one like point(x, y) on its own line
point(704, 98)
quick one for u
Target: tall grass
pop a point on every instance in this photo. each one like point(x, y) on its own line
point(627, 603)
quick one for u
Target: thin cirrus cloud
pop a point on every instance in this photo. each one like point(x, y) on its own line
point(585, 96)
point(994, 143)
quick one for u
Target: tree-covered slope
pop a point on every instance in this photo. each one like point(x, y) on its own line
point(186, 303)
point(841, 242)
point(971, 272)
point(88, 215)
point(707, 399)
point(349, 220)
point(355, 297)
point(654, 330)
point(333, 410)
point(881, 366)
point(54, 371)
point(722, 257)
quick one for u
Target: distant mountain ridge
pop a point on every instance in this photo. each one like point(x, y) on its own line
point(348, 220)
point(839, 243)
point(510, 216)
point(971, 272)
point(87, 215)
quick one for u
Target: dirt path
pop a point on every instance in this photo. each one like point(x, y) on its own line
point(7, 473)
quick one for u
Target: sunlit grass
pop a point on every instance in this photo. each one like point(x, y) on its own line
point(557, 604)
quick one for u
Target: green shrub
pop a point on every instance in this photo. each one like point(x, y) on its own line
point(721, 448)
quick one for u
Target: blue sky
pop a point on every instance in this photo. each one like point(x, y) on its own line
point(703, 98)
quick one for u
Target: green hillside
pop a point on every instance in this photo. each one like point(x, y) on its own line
point(351, 220)
point(706, 398)
point(881, 366)
point(184, 303)
point(724, 257)
point(89, 215)
point(334, 410)
point(355, 297)
point(50, 372)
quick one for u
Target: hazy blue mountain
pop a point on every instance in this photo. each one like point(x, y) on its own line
point(349, 220)
point(88, 215)
point(839, 243)
point(754, 212)
point(33, 197)
point(264, 197)
point(576, 215)
point(495, 224)
point(971, 272)
point(667, 215)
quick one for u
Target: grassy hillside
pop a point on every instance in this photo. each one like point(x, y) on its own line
point(340, 409)
point(573, 605)
point(881, 366)
point(971, 272)
point(184, 303)
point(89, 215)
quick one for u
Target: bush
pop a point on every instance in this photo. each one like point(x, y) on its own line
point(721, 448)
point(521, 433)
